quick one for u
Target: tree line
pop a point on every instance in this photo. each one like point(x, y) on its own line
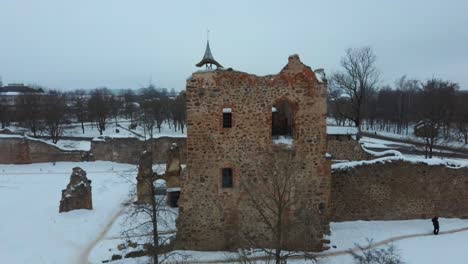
point(356, 97)
point(51, 112)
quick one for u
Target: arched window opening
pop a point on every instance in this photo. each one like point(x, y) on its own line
point(282, 121)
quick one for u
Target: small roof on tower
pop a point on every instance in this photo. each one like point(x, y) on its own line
point(208, 59)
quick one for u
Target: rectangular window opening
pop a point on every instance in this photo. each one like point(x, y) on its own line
point(227, 118)
point(227, 178)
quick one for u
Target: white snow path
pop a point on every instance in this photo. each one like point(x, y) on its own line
point(84, 255)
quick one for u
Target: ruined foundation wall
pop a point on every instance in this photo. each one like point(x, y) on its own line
point(346, 149)
point(216, 218)
point(43, 152)
point(14, 151)
point(128, 150)
point(399, 190)
point(21, 150)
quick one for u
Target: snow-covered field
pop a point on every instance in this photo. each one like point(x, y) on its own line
point(429, 249)
point(91, 131)
point(424, 248)
point(455, 141)
point(31, 228)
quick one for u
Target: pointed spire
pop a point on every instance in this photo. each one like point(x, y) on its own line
point(208, 59)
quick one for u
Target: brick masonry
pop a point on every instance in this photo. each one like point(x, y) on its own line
point(128, 150)
point(346, 149)
point(214, 218)
point(21, 150)
point(399, 190)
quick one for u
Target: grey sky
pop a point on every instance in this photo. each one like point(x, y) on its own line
point(122, 44)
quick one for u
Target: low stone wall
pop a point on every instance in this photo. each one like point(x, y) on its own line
point(21, 150)
point(124, 150)
point(398, 190)
point(161, 147)
point(14, 151)
point(43, 152)
point(346, 149)
point(128, 150)
point(17, 149)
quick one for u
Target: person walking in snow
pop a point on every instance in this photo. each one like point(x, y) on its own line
point(435, 222)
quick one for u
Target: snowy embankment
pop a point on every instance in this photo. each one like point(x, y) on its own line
point(122, 127)
point(455, 141)
point(394, 155)
point(83, 140)
point(67, 145)
point(31, 228)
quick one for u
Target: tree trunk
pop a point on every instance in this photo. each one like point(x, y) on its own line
point(155, 223)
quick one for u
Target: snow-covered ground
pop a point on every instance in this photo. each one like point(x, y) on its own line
point(424, 248)
point(31, 228)
point(84, 145)
point(91, 131)
point(381, 144)
point(82, 141)
point(455, 141)
point(123, 127)
point(430, 249)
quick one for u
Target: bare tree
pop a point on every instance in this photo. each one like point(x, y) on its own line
point(99, 106)
point(357, 82)
point(159, 111)
point(30, 107)
point(3, 114)
point(435, 108)
point(80, 105)
point(147, 118)
point(129, 104)
point(461, 116)
point(145, 219)
point(272, 202)
point(54, 115)
point(178, 112)
point(371, 255)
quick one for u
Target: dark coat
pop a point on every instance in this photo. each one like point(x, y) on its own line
point(435, 222)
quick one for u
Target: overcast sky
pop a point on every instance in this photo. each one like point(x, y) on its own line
point(124, 44)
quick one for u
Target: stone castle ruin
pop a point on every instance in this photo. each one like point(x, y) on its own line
point(77, 195)
point(145, 178)
point(237, 123)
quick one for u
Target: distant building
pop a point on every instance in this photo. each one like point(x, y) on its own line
point(10, 94)
point(426, 129)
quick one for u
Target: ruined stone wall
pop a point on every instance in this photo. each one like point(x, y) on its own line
point(216, 218)
point(346, 149)
point(14, 151)
point(162, 145)
point(399, 190)
point(43, 152)
point(128, 150)
point(123, 150)
point(21, 150)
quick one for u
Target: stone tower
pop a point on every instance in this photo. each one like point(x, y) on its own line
point(236, 123)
